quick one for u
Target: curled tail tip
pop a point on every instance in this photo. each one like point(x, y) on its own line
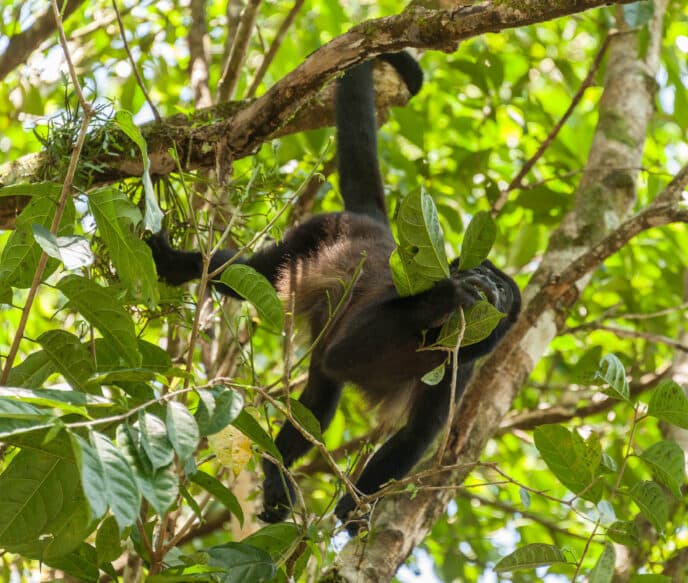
point(408, 68)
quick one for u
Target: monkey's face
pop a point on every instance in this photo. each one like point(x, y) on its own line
point(491, 284)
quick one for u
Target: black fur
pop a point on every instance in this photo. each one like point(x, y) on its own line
point(373, 341)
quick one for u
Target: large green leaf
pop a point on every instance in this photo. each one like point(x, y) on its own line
point(43, 513)
point(182, 430)
point(19, 259)
point(478, 240)
point(100, 308)
point(613, 373)
point(152, 220)
point(223, 494)
point(252, 429)
point(159, 487)
point(107, 479)
point(241, 562)
point(603, 572)
point(217, 409)
point(652, 503)
point(569, 459)
point(255, 288)
point(669, 403)
point(74, 251)
point(69, 356)
point(668, 464)
point(420, 259)
point(531, 556)
point(154, 440)
point(116, 217)
point(33, 371)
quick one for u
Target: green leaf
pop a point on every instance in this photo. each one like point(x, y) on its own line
point(152, 220)
point(531, 556)
point(251, 429)
point(154, 440)
point(306, 419)
point(107, 478)
point(624, 533)
point(613, 373)
point(241, 562)
point(69, 356)
point(400, 277)
point(652, 503)
point(160, 487)
point(100, 308)
point(43, 513)
point(638, 14)
point(274, 539)
point(649, 578)
point(567, 456)
point(19, 259)
point(81, 564)
point(33, 371)
point(478, 240)
point(73, 251)
point(481, 319)
point(668, 464)
point(669, 403)
point(117, 218)
point(16, 416)
point(603, 572)
point(108, 544)
point(221, 493)
point(66, 401)
point(255, 288)
point(435, 376)
point(182, 430)
point(217, 409)
point(420, 259)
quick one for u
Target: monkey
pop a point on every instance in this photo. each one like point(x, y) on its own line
point(373, 340)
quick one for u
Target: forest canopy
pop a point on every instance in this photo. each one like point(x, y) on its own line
point(135, 415)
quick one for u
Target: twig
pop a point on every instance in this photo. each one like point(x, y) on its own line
point(230, 75)
point(274, 47)
point(532, 419)
point(452, 392)
point(504, 507)
point(623, 333)
point(62, 201)
point(134, 67)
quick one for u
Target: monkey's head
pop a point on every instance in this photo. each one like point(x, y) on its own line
point(492, 283)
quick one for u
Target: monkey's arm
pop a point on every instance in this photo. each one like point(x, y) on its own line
point(377, 347)
point(178, 267)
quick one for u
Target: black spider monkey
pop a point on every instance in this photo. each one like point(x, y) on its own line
point(373, 340)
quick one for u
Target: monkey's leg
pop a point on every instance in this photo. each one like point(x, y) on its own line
point(321, 396)
point(401, 452)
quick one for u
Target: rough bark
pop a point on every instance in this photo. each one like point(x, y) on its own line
point(603, 200)
point(239, 128)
